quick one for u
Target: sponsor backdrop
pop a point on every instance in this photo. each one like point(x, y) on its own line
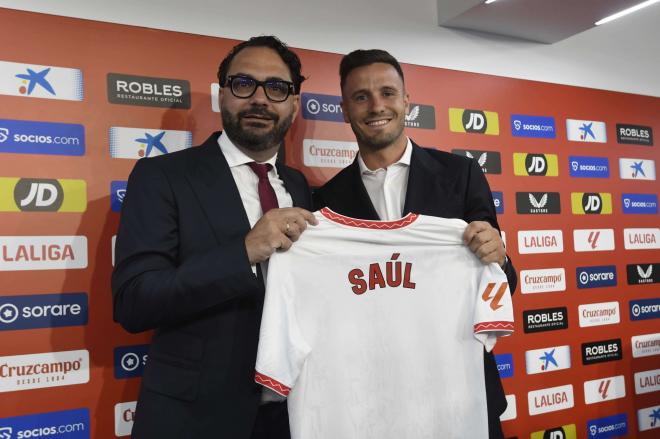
point(572, 172)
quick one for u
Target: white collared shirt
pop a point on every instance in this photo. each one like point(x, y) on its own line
point(387, 186)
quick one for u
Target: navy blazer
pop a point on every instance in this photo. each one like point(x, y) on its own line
point(183, 270)
point(439, 184)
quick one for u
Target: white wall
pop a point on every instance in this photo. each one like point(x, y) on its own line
point(622, 55)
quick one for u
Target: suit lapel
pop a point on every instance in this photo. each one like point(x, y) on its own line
point(214, 185)
point(299, 196)
point(353, 197)
point(427, 192)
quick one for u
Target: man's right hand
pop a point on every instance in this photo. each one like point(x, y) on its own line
point(278, 229)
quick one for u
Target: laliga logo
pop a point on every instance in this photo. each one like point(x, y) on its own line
point(495, 302)
point(8, 313)
point(313, 106)
point(4, 134)
point(517, 124)
point(130, 362)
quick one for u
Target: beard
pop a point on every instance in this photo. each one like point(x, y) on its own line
point(253, 139)
point(379, 141)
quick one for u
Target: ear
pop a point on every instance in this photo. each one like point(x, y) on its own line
point(406, 100)
point(296, 106)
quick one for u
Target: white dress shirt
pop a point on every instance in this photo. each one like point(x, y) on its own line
point(387, 186)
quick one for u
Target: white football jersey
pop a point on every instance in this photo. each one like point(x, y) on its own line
point(376, 329)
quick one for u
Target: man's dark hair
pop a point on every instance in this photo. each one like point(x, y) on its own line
point(361, 58)
point(290, 59)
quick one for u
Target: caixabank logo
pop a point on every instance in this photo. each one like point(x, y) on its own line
point(420, 116)
point(641, 239)
point(636, 169)
point(608, 427)
point(474, 121)
point(601, 351)
point(548, 359)
point(490, 162)
point(42, 195)
point(33, 137)
point(42, 252)
point(504, 365)
point(136, 143)
point(535, 165)
point(43, 311)
point(37, 81)
point(130, 360)
point(563, 432)
point(634, 134)
point(639, 204)
point(644, 309)
point(322, 107)
point(648, 418)
point(647, 381)
point(551, 399)
point(586, 131)
point(542, 127)
point(596, 277)
point(538, 203)
point(49, 369)
point(604, 389)
point(588, 167)
point(117, 194)
point(66, 424)
point(547, 319)
point(643, 273)
point(147, 91)
point(591, 203)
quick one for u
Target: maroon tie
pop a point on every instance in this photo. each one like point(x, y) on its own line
point(266, 192)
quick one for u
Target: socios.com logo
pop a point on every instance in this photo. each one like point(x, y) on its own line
point(589, 167)
point(322, 107)
point(31, 137)
point(117, 194)
point(523, 125)
point(43, 311)
point(68, 424)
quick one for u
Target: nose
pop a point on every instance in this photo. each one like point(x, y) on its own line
point(259, 97)
point(376, 104)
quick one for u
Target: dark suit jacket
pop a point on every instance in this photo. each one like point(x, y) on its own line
point(439, 184)
point(182, 269)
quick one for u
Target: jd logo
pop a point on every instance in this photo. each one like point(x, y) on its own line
point(555, 433)
point(474, 121)
point(38, 194)
point(592, 203)
point(536, 164)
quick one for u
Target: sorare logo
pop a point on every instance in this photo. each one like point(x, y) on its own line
point(644, 309)
point(43, 311)
point(504, 365)
point(474, 121)
point(588, 167)
point(498, 201)
point(634, 134)
point(117, 194)
point(533, 126)
point(130, 361)
point(67, 424)
point(608, 427)
point(596, 276)
point(136, 143)
point(148, 91)
point(37, 81)
point(490, 162)
point(42, 195)
point(639, 203)
point(33, 137)
point(322, 107)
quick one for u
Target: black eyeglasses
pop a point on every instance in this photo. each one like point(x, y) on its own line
point(277, 90)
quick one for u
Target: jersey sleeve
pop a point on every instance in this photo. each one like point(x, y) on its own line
point(282, 348)
point(493, 313)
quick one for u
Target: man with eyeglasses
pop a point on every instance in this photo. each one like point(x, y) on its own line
point(196, 231)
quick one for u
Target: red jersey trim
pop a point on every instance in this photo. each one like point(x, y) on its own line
point(368, 224)
point(493, 326)
point(272, 384)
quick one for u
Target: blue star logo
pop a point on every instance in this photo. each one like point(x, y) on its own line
point(153, 142)
point(637, 169)
point(586, 131)
point(548, 357)
point(36, 78)
point(655, 416)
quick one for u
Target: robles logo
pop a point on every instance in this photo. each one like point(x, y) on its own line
point(548, 319)
point(634, 134)
point(147, 91)
point(43, 311)
point(51, 369)
point(601, 351)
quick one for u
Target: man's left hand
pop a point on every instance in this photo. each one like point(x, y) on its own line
point(485, 241)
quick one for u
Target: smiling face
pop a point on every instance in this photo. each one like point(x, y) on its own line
point(374, 102)
point(257, 124)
